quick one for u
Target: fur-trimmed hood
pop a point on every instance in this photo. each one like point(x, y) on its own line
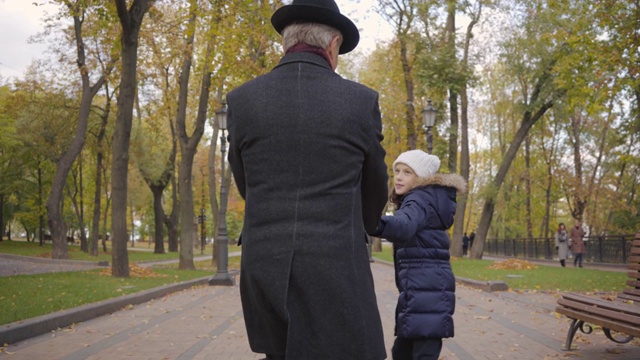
point(449, 180)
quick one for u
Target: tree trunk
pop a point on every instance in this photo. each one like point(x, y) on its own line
point(158, 218)
point(528, 119)
point(549, 158)
point(189, 144)
point(617, 192)
point(578, 199)
point(130, 20)
point(461, 206)
point(1, 215)
point(77, 204)
point(487, 210)
point(410, 110)
point(187, 215)
point(173, 220)
point(84, 245)
point(54, 204)
point(107, 206)
point(95, 224)
point(459, 220)
point(157, 187)
point(527, 180)
point(376, 244)
point(185, 189)
point(547, 205)
point(77, 207)
point(453, 93)
point(64, 163)
point(582, 188)
point(133, 223)
point(40, 208)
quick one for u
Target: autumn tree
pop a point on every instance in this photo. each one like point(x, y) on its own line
point(155, 160)
point(99, 174)
point(249, 49)
point(535, 69)
point(131, 22)
point(188, 143)
point(402, 15)
point(436, 63)
point(447, 67)
point(10, 171)
point(78, 11)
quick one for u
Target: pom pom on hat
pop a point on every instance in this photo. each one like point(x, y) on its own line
point(423, 164)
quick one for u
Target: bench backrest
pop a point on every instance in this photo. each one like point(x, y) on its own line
point(632, 292)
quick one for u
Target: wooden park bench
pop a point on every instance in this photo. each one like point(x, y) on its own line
point(620, 316)
point(70, 239)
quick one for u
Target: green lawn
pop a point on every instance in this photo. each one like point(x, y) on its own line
point(27, 296)
point(34, 249)
point(547, 278)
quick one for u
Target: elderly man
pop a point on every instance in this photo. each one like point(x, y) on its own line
point(306, 156)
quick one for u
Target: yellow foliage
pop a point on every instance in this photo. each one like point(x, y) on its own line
point(513, 264)
point(135, 271)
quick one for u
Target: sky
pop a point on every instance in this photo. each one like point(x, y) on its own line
point(21, 19)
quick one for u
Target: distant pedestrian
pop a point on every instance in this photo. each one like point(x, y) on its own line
point(426, 204)
point(472, 237)
point(577, 243)
point(465, 244)
point(562, 243)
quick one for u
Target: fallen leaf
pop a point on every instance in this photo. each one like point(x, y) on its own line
point(513, 264)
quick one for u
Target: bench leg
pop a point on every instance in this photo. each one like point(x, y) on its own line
point(607, 333)
point(573, 328)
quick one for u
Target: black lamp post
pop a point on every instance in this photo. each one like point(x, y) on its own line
point(429, 118)
point(222, 276)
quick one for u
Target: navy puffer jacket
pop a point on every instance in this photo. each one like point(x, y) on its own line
point(421, 255)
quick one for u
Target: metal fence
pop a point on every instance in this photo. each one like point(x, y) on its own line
point(612, 249)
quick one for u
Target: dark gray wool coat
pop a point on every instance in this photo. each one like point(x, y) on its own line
point(421, 244)
point(306, 156)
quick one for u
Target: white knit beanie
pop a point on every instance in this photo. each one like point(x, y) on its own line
point(423, 164)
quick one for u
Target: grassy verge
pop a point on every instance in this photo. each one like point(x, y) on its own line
point(28, 296)
point(24, 248)
point(537, 277)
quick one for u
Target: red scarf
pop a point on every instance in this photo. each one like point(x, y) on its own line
point(302, 47)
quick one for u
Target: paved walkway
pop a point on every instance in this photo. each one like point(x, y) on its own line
point(22, 265)
point(205, 322)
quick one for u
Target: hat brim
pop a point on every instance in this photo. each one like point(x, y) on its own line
point(289, 14)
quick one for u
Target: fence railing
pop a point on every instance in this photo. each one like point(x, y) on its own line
point(613, 249)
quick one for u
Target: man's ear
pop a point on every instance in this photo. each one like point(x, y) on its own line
point(333, 51)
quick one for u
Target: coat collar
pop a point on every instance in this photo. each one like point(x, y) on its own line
point(303, 57)
point(448, 180)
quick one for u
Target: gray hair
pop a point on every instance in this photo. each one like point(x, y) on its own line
point(313, 34)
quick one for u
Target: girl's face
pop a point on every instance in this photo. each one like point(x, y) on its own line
point(404, 179)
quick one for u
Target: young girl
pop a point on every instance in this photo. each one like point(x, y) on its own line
point(562, 244)
point(426, 204)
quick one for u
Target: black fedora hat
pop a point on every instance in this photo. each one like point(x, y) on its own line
point(318, 11)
